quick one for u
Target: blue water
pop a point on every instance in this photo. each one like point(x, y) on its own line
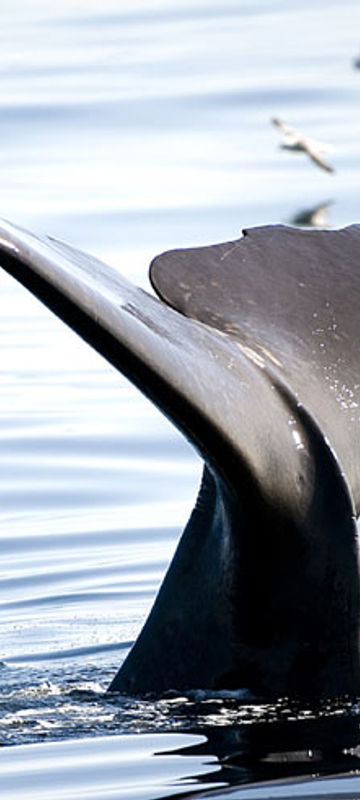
point(126, 129)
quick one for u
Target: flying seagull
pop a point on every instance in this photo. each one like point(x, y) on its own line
point(293, 140)
point(252, 349)
point(315, 217)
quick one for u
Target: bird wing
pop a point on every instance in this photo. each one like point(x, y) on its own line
point(291, 135)
point(315, 156)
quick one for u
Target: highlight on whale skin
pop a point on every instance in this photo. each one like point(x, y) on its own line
point(252, 349)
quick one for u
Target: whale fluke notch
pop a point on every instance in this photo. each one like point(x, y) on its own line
point(259, 370)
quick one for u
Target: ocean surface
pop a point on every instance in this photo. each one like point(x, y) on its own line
point(127, 128)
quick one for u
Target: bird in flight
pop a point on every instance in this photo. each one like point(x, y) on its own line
point(315, 217)
point(293, 140)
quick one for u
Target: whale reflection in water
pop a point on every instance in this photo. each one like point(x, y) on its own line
point(252, 349)
point(283, 750)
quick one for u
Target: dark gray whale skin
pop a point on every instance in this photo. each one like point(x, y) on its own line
point(253, 352)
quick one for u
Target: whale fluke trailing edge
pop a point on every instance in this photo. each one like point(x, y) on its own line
point(252, 349)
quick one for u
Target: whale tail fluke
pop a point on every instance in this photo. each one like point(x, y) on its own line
point(253, 352)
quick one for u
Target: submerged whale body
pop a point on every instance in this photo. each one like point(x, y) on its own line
point(252, 349)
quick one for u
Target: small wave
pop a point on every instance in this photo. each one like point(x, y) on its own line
point(52, 655)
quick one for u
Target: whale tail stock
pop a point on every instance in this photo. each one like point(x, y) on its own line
point(253, 352)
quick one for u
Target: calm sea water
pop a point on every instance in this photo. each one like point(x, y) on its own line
point(127, 128)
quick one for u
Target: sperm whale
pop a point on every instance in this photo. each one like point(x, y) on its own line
point(252, 349)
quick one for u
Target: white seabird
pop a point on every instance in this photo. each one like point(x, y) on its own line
point(316, 217)
point(293, 140)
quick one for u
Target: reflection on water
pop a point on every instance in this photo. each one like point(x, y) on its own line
point(127, 129)
point(225, 740)
point(105, 768)
point(266, 747)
